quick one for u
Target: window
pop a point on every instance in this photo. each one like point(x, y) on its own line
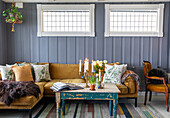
point(65, 20)
point(134, 20)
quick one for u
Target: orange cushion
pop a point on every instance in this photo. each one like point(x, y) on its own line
point(23, 73)
point(157, 87)
point(43, 63)
point(117, 63)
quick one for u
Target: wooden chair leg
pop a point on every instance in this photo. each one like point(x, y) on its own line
point(150, 96)
point(146, 94)
point(167, 100)
point(136, 102)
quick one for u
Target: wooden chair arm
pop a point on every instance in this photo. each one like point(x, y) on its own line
point(157, 78)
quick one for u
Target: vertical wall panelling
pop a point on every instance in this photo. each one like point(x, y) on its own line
point(80, 48)
point(168, 44)
point(53, 50)
point(108, 49)
point(24, 45)
point(89, 49)
point(126, 50)
point(44, 49)
point(62, 50)
point(71, 50)
point(118, 49)
point(33, 35)
point(3, 42)
point(100, 31)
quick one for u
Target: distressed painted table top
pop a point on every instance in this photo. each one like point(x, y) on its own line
point(108, 88)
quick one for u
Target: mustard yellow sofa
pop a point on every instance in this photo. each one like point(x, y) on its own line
point(67, 73)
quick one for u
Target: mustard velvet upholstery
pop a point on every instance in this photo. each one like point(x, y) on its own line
point(43, 63)
point(67, 73)
point(123, 89)
point(131, 84)
point(118, 63)
point(27, 102)
point(157, 87)
point(23, 73)
point(64, 71)
point(48, 91)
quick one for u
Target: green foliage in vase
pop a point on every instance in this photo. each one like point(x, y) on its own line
point(92, 79)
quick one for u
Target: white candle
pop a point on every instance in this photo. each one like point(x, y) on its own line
point(87, 65)
point(99, 75)
point(92, 67)
point(80, 66)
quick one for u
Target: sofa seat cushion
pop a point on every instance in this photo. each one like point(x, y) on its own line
point(28, 100)
point(47, 86)
point(157, 87)
point(123, 89)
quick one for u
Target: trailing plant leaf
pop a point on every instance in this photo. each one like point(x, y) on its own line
point(13, 19)
point(7, 19)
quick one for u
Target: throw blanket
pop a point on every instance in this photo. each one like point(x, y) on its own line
point(158, 73)
point(133, 75)
point(11, 90)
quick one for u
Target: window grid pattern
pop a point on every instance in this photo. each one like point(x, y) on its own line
point(66, 21)
point(133, 21)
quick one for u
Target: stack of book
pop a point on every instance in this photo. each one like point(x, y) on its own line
point(59, 86)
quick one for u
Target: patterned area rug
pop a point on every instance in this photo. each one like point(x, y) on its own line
point(84, 110)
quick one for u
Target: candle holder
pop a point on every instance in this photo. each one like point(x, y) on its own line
point(85, 76)
point(100, 85)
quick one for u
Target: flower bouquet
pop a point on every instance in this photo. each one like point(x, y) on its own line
point(99, 70)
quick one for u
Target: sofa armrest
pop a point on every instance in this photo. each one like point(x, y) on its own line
point(131, 84)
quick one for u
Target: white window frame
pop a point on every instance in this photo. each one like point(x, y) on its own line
point(158, 7)
point(41, 7)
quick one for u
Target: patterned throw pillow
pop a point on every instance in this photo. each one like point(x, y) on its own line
point(113, 73)
point(124, 68)
point(7, 73)
point(41, 73)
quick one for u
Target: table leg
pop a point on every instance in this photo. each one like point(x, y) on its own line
point(63, 106)
point(58, 99)
point(111, 107)
point(115, 107)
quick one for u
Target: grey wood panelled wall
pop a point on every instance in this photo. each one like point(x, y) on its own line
point(24, 45)
point(3, 44)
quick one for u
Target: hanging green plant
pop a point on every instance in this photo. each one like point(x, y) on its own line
point(13, 16)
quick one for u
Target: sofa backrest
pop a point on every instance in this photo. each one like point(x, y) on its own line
point(64, 71)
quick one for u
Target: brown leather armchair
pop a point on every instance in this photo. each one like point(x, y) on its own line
point(159, 88)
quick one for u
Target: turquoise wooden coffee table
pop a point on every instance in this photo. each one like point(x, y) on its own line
point(110, 92)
